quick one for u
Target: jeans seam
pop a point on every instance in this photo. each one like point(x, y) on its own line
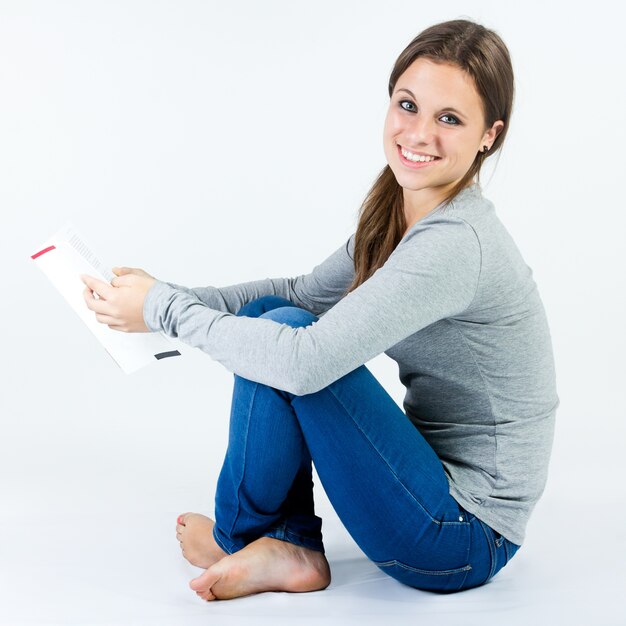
point(442, 572)
point(301, 537)
point(220, 542)
point(492, 553)
point(283, 529)
point(243, 467)
point(299, 540)
point(381, 456)
point(467, 557)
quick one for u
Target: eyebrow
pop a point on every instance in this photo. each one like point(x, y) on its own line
point(446, 108)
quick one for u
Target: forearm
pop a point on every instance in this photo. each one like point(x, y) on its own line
point(231, 298)
point(317, 292)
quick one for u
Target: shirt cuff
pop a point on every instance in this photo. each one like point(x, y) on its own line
point(159, 293)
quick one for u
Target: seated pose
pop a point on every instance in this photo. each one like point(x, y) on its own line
point(437, 494)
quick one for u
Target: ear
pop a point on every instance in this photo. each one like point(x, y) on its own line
point(494, 131)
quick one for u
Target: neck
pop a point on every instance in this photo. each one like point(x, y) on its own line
point(418, 204)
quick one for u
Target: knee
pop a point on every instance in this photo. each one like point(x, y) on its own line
point(292, 315)
point(256, 307)
point(277, 309)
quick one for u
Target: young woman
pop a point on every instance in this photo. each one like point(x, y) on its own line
point(438, 495)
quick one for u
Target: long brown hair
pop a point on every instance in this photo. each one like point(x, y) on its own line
point(482, 54)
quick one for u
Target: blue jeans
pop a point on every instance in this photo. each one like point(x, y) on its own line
point(383, 479)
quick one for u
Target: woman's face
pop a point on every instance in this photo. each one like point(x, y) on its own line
point(442, 116)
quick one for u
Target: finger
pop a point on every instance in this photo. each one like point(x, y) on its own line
point(99, 305)
point(104, 290)
point(88, 294)
point(111, 322)
point(123, 281)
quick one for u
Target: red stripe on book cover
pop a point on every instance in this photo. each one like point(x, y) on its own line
point(34, 256)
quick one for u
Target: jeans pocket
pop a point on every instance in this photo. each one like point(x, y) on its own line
point(510, 549)
point(501, 550)
point(444, 581)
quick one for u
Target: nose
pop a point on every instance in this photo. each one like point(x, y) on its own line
point(421, 131)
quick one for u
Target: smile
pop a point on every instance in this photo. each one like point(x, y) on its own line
point(415, 161)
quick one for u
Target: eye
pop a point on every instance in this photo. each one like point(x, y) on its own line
point(402, 102)
point(455, 123)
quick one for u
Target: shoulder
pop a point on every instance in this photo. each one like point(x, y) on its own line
point(440, 247)
point(448, 230)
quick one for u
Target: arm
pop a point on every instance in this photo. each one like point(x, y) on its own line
point(316, 292)
point(431, 275)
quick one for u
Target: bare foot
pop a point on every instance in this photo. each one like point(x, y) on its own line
point(266, 564)
point(195, 534)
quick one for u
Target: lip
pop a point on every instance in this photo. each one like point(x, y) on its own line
point(416, 165)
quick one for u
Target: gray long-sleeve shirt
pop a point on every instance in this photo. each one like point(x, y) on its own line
point(456, 307)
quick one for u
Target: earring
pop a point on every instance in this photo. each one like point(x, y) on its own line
point(485, 149)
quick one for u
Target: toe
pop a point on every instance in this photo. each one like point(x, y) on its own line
point(181, 519)
point(207, 595)
point(204, 582)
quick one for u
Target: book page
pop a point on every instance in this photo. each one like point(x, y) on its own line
point(63, 258)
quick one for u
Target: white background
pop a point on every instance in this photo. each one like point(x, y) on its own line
point(213, 143)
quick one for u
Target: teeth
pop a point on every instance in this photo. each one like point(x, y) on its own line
point(415, 157)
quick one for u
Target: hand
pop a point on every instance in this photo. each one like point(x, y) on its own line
point(120, 304)
point(123, 271)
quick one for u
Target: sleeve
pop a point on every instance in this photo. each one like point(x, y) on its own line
point(316, 292)
point(431, 275)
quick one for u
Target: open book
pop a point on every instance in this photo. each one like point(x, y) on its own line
point(63, 258)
